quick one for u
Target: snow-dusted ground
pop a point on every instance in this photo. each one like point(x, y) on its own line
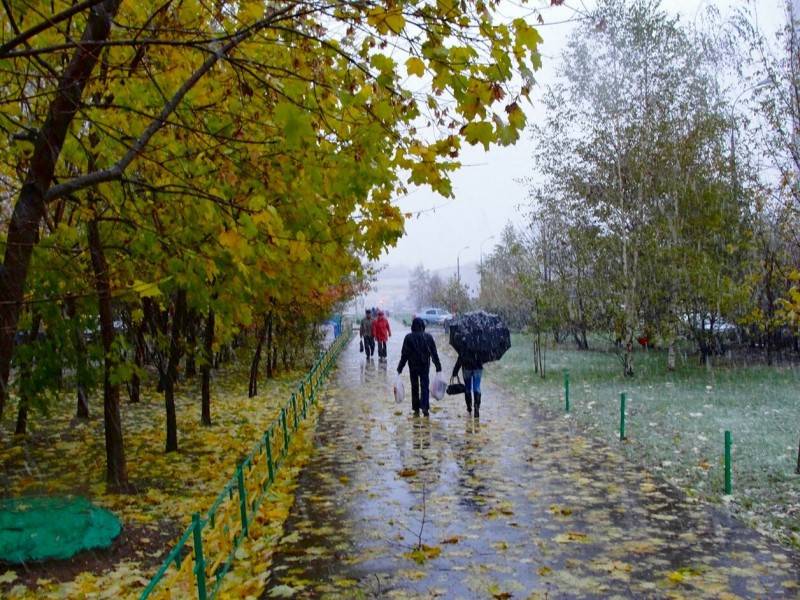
point(676, 423)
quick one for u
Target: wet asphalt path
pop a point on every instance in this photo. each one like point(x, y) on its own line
point(518, 505)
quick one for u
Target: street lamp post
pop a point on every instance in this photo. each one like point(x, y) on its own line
point(458, 264)
point(491, 237)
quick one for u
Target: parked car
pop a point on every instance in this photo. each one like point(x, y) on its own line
point(435, 316)
point(93, 333)
point(704, 323)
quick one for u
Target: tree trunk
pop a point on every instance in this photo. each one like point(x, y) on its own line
point(82, 408)
point(23, 229)
point(539, 355)
point(25, 370)
point(270, 343)
point(797, 468)
point(171, 373)
point(252, 388)
point(21, 426)
point(81, 369)
point(205, 369)
point(628, 370)
point(135, 384)
point(578, 345)
point(191, 339)
point(116, 470)
point(671, 356)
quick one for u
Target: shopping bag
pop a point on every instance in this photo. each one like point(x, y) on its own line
point(454, 389)
point(360, 345)
point(438, 387)
point(399, 390)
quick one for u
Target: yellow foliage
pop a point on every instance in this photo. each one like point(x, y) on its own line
point(207, 461)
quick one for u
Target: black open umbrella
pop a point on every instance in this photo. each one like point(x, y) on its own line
point(480, 335)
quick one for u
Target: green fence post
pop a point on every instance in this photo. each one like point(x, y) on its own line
point(285, 431)
point(566, 390)
point(622, 416)
point(294, 410)
point(242, 497)
point(199, 562)
point(305, 408)
point(270, 465)
point(728, 443)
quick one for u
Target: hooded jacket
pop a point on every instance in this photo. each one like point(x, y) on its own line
point(365, 329)
point(380, 328)
point(418, 349)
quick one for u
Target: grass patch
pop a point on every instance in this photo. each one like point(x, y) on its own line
point(675, 422)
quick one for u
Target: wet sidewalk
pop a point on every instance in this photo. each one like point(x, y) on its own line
point(517, 505)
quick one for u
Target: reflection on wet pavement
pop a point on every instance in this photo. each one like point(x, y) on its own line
point(517, 505)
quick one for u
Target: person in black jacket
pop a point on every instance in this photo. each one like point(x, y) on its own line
point(472, 369)
point(418, 351)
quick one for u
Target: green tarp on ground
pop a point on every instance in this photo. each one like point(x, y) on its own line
point(41, 527)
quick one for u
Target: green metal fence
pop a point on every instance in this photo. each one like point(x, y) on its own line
point(205, 552)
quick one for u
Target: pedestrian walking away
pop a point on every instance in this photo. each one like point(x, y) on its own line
point(479, 338)
point(381, 331)
point(365, 331)
point(418, 351)
point(472, 371)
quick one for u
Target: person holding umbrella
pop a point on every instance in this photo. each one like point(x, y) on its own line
point(472, 370)
point(418, 351)
point(478, 337)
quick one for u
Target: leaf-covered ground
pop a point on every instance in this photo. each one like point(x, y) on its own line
point(62, 456)
point(675, 422)
point(520, 504)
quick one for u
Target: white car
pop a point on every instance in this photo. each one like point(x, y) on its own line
point(434, 316)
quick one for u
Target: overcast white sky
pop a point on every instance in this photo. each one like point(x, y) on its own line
point(486, 194)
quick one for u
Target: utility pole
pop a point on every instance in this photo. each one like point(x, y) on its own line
point(458, 264)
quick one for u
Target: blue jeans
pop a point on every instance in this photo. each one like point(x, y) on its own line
point(472, 380)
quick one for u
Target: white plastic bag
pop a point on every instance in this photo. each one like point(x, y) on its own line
point(438, 387)
point(399, 390)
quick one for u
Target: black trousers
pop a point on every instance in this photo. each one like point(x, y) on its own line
point(420, 398)
point(381, 349)
point(369, 345)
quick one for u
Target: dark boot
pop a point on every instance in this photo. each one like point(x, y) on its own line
point(477, 404)
point(468, 400)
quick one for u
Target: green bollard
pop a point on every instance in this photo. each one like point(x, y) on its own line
point(199, 562)
point(566, 390)
point(622, 416)
point(728, 442)
point(242, 498)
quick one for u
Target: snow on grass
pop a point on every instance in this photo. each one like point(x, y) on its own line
point(675, 422)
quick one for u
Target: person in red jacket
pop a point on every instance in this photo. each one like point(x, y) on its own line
point(381, 332)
